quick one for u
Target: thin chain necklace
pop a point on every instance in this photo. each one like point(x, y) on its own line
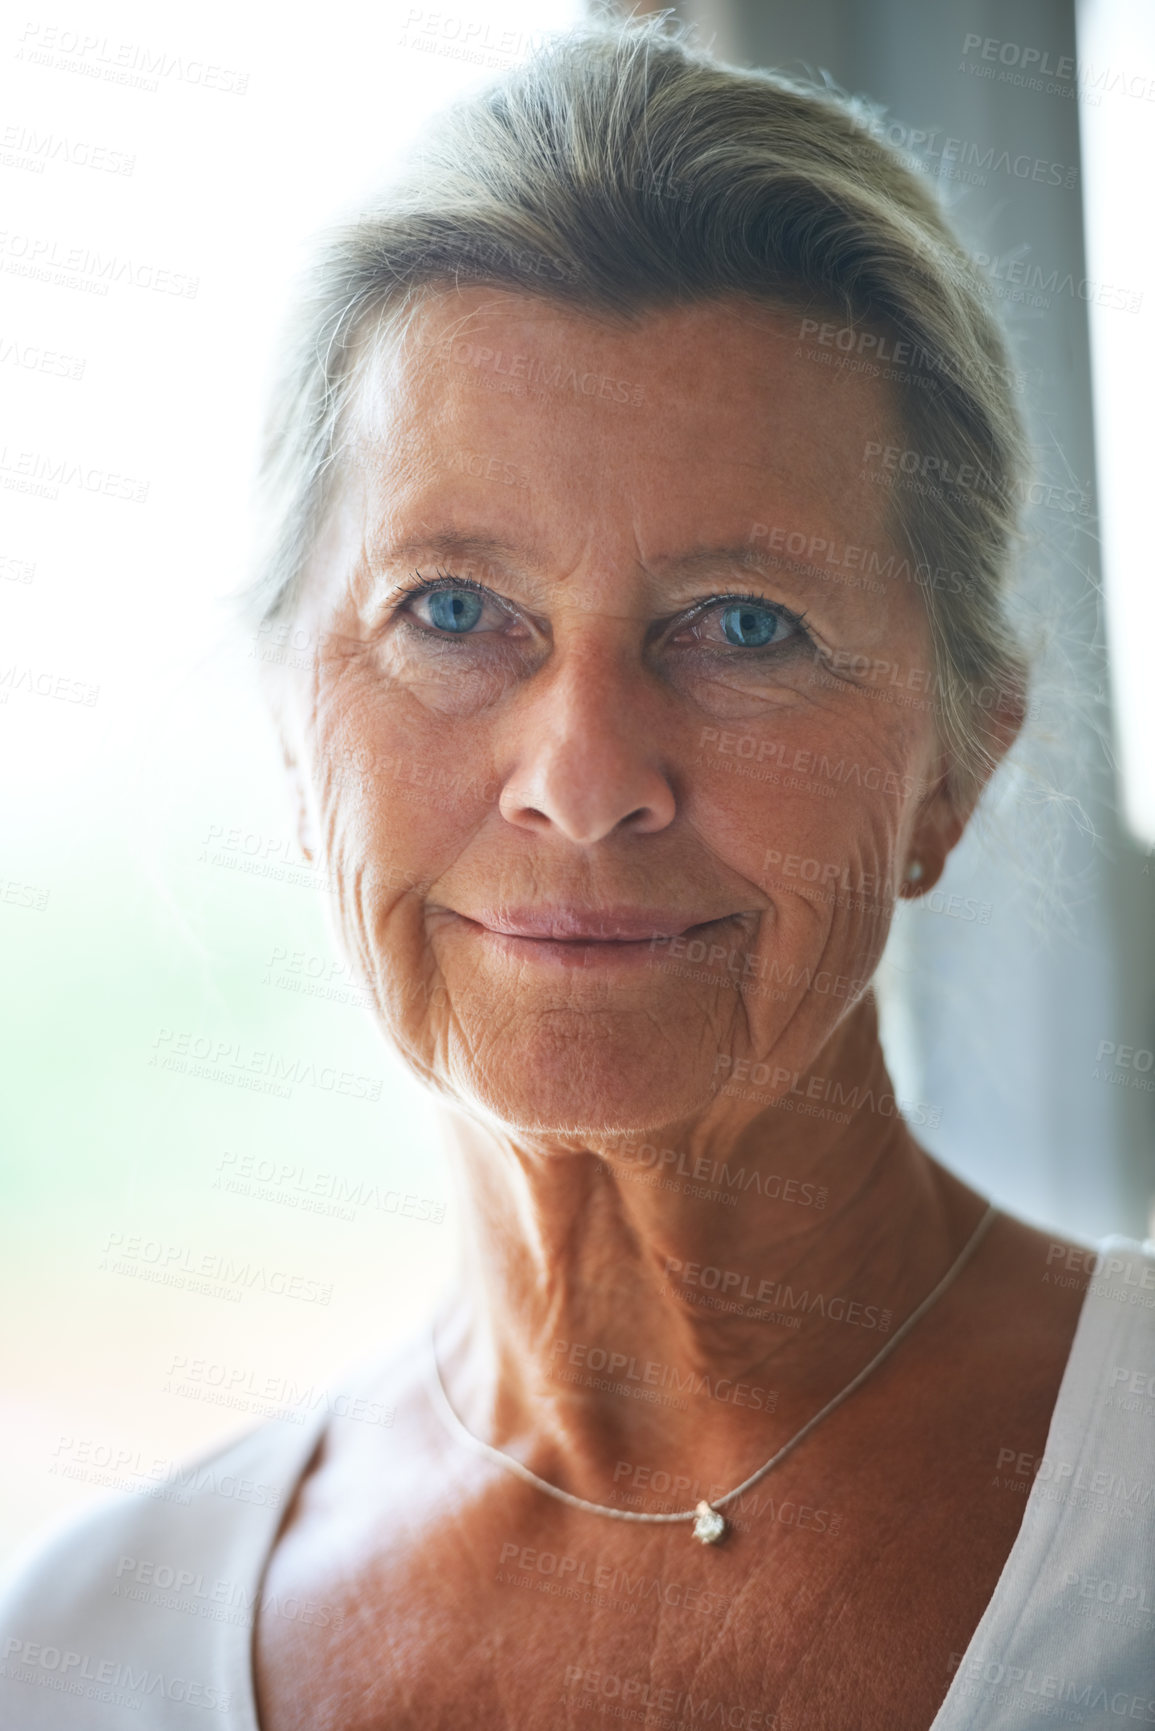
point(709, 1525)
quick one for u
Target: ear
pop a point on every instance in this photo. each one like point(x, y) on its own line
point(946, 808)
point(937, 827)
point(279, 709)
point(305, 837)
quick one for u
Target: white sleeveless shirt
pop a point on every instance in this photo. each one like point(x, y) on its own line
point(142, 1614)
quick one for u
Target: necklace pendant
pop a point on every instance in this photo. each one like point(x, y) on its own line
point(710, 1526)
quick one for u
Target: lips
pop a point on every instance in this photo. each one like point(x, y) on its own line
point(591, 926)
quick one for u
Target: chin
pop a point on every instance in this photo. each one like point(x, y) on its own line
point(586, 1076)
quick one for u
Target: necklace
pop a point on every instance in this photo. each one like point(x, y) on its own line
point(709, 1525)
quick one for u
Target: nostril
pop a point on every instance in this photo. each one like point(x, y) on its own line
point(586, 795)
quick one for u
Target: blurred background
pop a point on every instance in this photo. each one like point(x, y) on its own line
point(160, 176)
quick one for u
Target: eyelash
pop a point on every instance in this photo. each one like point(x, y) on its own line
point(446, 580)
point(721, 601)
point(443, 580)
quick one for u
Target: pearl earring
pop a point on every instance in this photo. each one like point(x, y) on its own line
point(914, 872)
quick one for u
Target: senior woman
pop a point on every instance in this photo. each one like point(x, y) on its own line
point(633, 701)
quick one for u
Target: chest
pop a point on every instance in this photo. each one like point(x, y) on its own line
point(450, 1592)
point(845, 1594)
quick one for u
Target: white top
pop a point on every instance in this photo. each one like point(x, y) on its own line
point(148, 1606)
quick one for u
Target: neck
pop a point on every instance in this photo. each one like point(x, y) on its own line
point(687, 1299)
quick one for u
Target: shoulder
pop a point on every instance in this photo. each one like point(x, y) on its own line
point(1103, 1420)
point(1088, 1314)
point(143, 1596)
point(1073, 1615)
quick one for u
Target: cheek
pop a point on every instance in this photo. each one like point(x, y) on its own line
point(429, 730)
point(834, 851)
point(398, 803)
point(444, 684)
point(786, 816)
point(830, 782)
point(822, 851)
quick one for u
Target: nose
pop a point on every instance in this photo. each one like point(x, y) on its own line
point(586, 756)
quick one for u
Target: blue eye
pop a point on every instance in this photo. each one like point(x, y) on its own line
point(750, 626)
point(456, 610)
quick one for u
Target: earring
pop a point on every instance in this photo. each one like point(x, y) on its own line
point(914, 872)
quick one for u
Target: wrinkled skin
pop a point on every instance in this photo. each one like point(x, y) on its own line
point(517, 748)
point(596, 721)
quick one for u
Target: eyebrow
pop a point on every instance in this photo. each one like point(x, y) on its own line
point(454, 544)
point(744, 553)
point(488, 550)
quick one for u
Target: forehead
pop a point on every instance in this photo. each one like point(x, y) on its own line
point(719, 409)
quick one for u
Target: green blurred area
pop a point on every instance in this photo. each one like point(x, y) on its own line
point(179, 911)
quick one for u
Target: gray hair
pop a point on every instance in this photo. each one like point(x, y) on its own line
point(620, 170)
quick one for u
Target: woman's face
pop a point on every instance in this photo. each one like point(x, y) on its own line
point(615, 734)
